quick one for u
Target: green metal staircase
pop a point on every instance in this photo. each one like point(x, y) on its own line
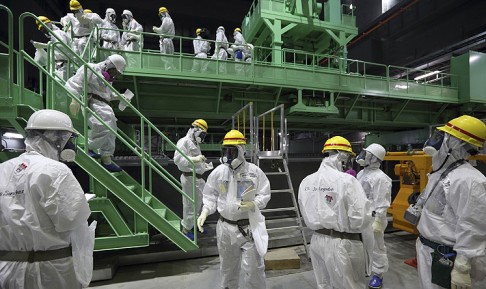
point(123, 203)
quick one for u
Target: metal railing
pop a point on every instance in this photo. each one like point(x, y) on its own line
point(270, 135)
point(132, 145)
point(241, 122)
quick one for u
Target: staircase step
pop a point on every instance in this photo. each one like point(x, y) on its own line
point(148, 199)
point(281, 191)
point(131, 187)
point(176, 224)
point(270, 157)
point(161, 212)
point(284, 228)
point(275, 173)
point(278, 210)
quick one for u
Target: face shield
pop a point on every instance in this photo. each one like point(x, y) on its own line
point(68, 152)
point(199, 135)
point(112, 17)
point(433, 144)
point(77, 12)
point(163, 15)
point(361, 158)
point(125, 18)
point(230, 156)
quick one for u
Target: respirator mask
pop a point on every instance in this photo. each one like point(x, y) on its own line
point(68, 152)
point(199, 135)
point(433, 144)
point(229, 156)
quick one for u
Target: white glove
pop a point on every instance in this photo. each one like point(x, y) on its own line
point(154, 28)
point(460, 275)
point(246, 206)
point(378, 225)
point(201, 219)
point(38, 45)
point(198, 159)
point(74, 107)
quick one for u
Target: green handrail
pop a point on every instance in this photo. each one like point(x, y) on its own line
point(135, 148)
point(10, 48)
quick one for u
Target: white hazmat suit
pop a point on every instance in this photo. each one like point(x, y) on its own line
point(111, 38)
point(220, 51)
point(454, 215)
point(191, 148)
point(223, 192)
point(42, 208)
point(331, 199)
point(130, 40)
point(201, 50)
point(377, 187)
point(82, 25)
point(100, 137)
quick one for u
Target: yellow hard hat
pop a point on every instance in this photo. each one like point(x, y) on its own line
point(237, 29)
point(86, 11)
point(44, 20)
point(162, 10)
point(338, 143)
point(198, 31)
point(234, 137)
point(201, 123)
point(468, 129)
point(74, 5)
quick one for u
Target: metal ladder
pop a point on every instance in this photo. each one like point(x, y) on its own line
point(282, 215)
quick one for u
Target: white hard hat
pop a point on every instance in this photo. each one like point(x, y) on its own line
point(127, 12)
point(376, 150)
point(48, 119)
point(110, 10)
point(118, 61)
point(221, 27)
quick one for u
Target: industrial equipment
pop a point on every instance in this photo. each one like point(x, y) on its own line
point(412, 170)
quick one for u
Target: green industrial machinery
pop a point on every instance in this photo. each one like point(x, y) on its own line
point(298, 63)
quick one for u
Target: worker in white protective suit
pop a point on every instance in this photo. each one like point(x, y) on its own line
point(101, 141)
point(238, 190)
point(201, 50)
point(167, 32)
point(189, 145)
point(130, 40)
point(452, 242)
point(110, 34)
point(220, 51)
point(377, 187)
point(45, 239)
point(238, 50)
point(335, 206)
point(82, 24)
point(60, 52)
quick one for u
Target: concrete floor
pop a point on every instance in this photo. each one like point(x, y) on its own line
point(203, 273)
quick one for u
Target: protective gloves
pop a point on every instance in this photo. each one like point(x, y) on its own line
point(246, 206)
point(38, 45)
point(201, 219)
point(460, 275)
point(378, 225)
point(198, 159)
point(74, 107)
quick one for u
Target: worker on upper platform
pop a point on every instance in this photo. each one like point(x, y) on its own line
point(82, 24)
point(101, 140)
point(130, 40)
point(60, 53)
point(167, 32)
point(110, 35)
point(45, 239)
point(377, 187)
point(190, 146)
point(238, 190)
point(201, 50)
point(334, 205)
point(451, 247)
point(220, 51)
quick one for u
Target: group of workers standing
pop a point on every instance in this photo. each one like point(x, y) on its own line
point(78, 25)
point(47, 243)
